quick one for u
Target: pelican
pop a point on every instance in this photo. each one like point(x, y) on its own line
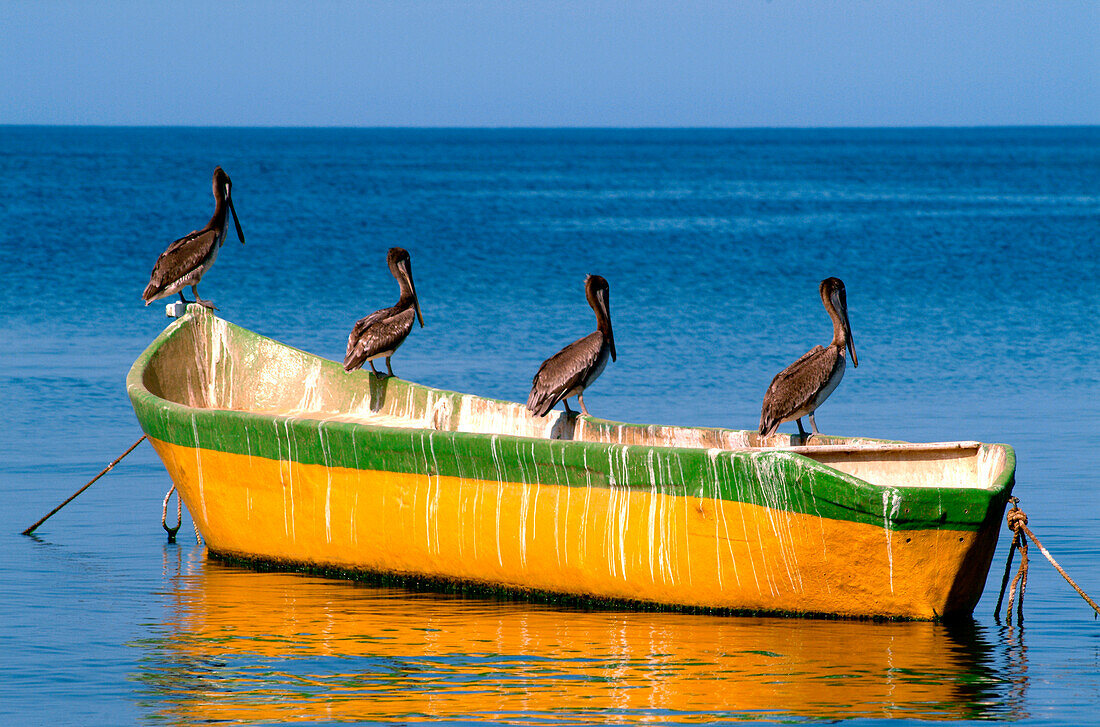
point(188, 258)
point(571, 370)
point(382, 332)
point(803, 386)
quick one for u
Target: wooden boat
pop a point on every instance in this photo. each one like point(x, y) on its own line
point(285, 459)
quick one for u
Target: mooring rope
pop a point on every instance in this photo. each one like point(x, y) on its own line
point(164, 514)
point(1016, 519)
point(72, 497)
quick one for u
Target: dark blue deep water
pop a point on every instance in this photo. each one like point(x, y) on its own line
point(972, 264)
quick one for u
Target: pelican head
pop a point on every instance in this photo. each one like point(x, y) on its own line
point(223, 190)
point(401, 266)
point(598, 293)
point(835, 300)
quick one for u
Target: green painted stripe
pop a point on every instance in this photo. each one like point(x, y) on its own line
point(779, 480)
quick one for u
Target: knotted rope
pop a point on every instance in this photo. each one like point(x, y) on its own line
point(164, 514)
point(1016, 519)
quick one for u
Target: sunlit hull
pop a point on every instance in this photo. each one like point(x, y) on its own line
point(281, 457)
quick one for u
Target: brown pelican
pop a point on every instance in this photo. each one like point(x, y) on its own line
point(801, 388)
point(571, 370)
point(380, 333)
point(186, 259)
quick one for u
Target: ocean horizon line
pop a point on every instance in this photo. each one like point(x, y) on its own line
point(504, 127)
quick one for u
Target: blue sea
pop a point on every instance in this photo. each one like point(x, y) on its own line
point(971, 259)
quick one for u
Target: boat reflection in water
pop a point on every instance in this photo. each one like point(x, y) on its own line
point(282, 647)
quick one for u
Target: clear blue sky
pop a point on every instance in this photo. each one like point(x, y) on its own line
point(552, 63)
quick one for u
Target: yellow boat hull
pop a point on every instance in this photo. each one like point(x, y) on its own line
point(619, 545)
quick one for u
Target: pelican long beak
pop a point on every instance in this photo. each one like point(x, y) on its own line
point(412, 287)
point(848, 335)
point(605, 307)
point(839, 303)
point(236, 222)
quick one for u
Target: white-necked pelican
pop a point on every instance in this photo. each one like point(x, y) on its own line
point(188, 258)
point(803, 386)
point(382, 332)
point(571, 370)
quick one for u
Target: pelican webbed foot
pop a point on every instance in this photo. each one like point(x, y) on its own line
point(204, 303)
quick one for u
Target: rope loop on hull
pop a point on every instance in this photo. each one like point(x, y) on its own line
point(164, 514)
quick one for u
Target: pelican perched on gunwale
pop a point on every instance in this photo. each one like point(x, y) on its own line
point(571, 370)
point(382, 332)
point(803, 386)
point(188, 258)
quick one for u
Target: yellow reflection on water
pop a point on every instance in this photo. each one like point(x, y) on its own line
point(278, 647)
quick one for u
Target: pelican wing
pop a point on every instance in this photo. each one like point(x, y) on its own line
point(381, 331)
point(795, 387)
point(181, 258)
point(563, 372)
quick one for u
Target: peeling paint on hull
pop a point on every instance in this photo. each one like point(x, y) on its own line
point(307, 480)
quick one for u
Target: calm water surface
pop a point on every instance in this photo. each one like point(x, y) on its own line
point(972, 267)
